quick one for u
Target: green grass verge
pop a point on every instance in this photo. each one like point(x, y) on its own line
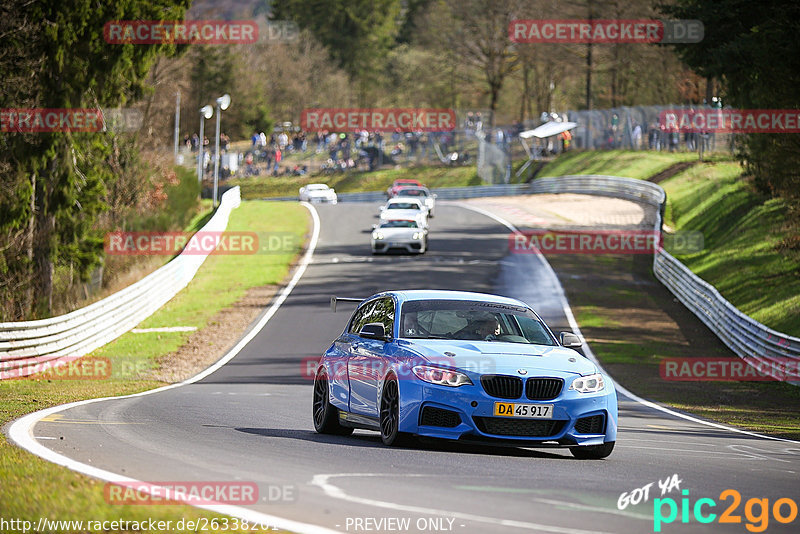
point(627, 163)
point(30, 487)
point(742, 232)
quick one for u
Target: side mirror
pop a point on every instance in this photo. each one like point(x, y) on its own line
point(570, 340)
point(373, 331)
point(435, 195)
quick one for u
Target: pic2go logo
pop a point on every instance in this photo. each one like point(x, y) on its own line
point(783, 511)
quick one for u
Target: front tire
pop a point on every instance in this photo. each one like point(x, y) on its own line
point(390, 415)
point(326, 415)
point(592, 452)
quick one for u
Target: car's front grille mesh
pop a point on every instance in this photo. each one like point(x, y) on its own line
point(543, 388)
point(530, 428)
point(502, 387)
point(432, 416)
point(590, 425)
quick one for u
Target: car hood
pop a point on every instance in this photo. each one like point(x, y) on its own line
point(489, 357)
point(322, 193)
point(398, 232)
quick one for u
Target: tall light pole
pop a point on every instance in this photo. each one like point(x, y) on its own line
point(205, 113)
point(222, 104)
point(177, 123)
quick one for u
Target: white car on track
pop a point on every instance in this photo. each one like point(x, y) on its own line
point(405, 208)
point(419, 192)
point(315, 193)
point(399, 234)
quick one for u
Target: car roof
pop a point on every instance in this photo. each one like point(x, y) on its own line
point(413, 188)
point(443, 294)
point(403, 200)
point(317, 186)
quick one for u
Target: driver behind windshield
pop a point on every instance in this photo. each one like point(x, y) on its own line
point(485, 327)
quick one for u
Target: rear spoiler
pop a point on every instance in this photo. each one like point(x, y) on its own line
point(334, 299)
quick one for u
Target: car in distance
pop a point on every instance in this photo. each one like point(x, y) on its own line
point(399, 234)
point(401, 182)
point(462, 366)
point(315, 193)
point(405, 208)
point(422, 193)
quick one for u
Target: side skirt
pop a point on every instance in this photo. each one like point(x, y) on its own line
point(355, 420)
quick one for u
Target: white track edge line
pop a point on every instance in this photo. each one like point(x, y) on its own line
point(589, 354)
point(20, 432)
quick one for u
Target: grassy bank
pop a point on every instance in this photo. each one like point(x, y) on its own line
point(743, 231)
point(628, 163)
point(33, 488)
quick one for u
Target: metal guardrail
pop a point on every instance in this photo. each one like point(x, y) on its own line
point(595, 184)
point(444, 193)
point(25, 347)
point(752, 341)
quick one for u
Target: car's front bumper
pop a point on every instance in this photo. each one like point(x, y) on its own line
point(569, 426)
point(411, 246)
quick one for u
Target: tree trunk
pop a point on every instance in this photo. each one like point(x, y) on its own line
point(525, 100)
point(26, 306)
point(589, 76)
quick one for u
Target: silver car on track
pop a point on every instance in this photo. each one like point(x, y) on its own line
point(400, 235)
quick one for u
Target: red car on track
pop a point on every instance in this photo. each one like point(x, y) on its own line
point(401, 183)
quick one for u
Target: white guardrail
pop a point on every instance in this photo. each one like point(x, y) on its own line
point(26, 347)
point(755, 343)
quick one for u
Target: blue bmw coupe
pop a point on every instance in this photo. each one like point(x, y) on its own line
point(462, 366)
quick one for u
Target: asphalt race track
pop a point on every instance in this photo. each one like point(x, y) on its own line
point(251, 419)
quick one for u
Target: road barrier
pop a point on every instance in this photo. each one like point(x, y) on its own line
point(26, 346)
point(752, 341)
point(444, 193)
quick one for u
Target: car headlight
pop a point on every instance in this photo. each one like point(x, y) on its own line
point(377, 236)
point(588, 383)
point(417, 235)
point(441, 377)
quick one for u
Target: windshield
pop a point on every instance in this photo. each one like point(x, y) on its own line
point(412, 193)
point(399, 224)
point(316, 187)
point(403, 206)
point(472, 320)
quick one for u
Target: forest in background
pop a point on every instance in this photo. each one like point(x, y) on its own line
point(61, 192)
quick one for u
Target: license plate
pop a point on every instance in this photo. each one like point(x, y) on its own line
point(525, 411)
